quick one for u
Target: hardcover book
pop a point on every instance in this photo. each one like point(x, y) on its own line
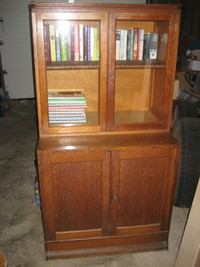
point(52, 42)
point(57, 36)
point(47, 43)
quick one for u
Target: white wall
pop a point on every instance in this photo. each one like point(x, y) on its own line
point(16, 51)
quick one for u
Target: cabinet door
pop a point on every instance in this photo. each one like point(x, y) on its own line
point(70, 50)
point(142, 60)
point(142, 190)
point(75, 194)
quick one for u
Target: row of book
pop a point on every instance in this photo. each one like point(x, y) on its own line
point(135, 44)
point(71, 42)
point(68, 107)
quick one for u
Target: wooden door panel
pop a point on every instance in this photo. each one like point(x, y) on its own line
point(77, 195)
point(80, 194)
point(142, 190)
point(144, 180)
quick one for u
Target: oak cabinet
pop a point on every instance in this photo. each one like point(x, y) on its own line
point(104, 76)
point(98, 198)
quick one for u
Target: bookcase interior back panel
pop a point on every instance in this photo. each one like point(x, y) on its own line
point(143, 90)
point(66, 80)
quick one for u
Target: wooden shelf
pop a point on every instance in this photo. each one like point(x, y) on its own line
point(140, 64)
point(72, 65)
point(134, 117)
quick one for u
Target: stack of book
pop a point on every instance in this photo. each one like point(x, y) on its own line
point(135, 44)
point(67, 107)
point(71, 42)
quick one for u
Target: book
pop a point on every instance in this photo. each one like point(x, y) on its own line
point(66, 95)
point(89, 41)
point(135, 43)
point(81, 55)
point(69, 41)
point(121, 55)
point(76, 42)
point(138, 43)
point(92, 44)
point(117, 44)
point(125, 45)
point(95, 44)
point(72, 42)
point(141, 45)
point(146, 46)
point(57, 40)
point(47, 43)
point(153, 45)
point(52, 42)
point(129, 44)
point(67, 107)
point(63, 42)
point(85, 35)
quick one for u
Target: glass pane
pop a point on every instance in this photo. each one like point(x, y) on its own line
point(140, 71)
point(72, 61)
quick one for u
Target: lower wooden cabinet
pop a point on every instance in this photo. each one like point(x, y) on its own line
point(107, 199)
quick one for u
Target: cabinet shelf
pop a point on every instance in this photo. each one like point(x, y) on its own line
point(91, 119)
point(135, 117)
point(72, 65)
point(140, 64)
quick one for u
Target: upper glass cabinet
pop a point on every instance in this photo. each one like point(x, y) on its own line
point(104, 67)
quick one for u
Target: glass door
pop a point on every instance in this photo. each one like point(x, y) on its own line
point(75, 84)
point(138, 81)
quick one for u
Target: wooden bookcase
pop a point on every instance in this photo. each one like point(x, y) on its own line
point(107, 165)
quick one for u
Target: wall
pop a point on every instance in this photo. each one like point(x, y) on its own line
point(16, 51)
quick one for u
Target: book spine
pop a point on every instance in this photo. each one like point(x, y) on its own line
point(92, 44)
point(121, 56)
point(146, 46)
point(76, 42)
point(81, 42)
point(153, 45)
point(125, 45)
point(141, 44)
point(89, 42)
point(47, 43)
point(52, 42)
point(135, 43)
point(117, 44)
point(95, 44)
point(138, 44)
point(72, 42)
point(63, 44)
point(57, 36)
point(85, 31)
point(69, 42)
point(129, 45)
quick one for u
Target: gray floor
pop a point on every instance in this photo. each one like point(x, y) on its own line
point(21, 236)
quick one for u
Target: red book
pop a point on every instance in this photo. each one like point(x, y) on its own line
point(76, 43)
point(47, 43)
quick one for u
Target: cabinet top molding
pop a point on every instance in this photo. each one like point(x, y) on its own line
point(105, 6)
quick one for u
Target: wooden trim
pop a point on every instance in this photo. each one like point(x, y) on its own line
point(78, 234)
point(109, 250)
point(138, 229)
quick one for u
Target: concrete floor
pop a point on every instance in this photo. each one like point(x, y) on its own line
point(21, 234)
